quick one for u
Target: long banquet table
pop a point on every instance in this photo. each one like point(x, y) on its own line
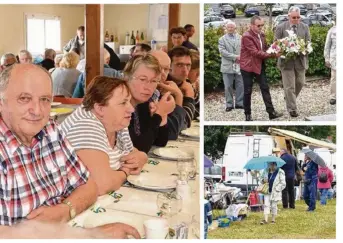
point(133, 205)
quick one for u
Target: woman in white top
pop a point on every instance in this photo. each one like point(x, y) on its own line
point(275, 177)
point(98, 132)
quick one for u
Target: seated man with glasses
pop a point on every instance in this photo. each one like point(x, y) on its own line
point(148, 125)
point(293, 70)
point(176, 119)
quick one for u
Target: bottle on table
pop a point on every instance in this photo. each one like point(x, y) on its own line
point(142, 37)
point(107, 36)
point(137, 37)
point(127, 38)
point(133, 40)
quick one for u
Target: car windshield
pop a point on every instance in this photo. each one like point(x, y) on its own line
point(252, 8)
point(325, 5)
point(226, 7)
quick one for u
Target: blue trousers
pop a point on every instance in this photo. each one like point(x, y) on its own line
point(205, 231)
point(310, 194)
point(323, 196)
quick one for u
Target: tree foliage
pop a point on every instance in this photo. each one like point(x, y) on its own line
point(212, 59)
point(215, 136)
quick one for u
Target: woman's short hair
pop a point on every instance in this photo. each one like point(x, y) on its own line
point(25, 52)
point(195, 57)
point(148, 60)
point(100, 91)
point(70, 60)
point(58, 58)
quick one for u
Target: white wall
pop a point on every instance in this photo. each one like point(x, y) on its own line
point(12, 30)
point(117, 18)
point(127, 17)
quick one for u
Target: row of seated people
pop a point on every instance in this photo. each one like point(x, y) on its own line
point(93, 151)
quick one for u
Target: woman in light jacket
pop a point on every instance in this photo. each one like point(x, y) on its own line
point(275, 177)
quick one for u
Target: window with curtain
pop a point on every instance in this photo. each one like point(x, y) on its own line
point(42, 31)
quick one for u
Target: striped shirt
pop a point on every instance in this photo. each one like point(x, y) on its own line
point(44, 173)
point(85, 131)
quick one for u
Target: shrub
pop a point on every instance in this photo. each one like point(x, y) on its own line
point(212, 59)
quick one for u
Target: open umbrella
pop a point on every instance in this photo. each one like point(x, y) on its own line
point(207, 162)
point(314, 157)
point(261, 163)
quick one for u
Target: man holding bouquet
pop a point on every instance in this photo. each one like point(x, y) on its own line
point(293, 69)
point(253, 53)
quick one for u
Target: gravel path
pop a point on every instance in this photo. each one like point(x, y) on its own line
point(312, 101)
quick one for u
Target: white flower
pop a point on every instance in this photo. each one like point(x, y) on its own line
point(283, 57)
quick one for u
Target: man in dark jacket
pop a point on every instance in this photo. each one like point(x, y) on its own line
point(49, 59)
point(253, 53)
point(310, 183)
point(181, 63)
point(176, 120)
point(288, 200)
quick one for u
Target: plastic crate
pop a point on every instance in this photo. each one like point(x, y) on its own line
point(222, 224)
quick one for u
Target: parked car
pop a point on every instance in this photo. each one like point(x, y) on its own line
point(276, 10)
point(216, 24)
point(284, 17)
point(228, 11)
point(214, 21)
point(251, 11)
point(303, 9)
point(215, 173)
point(212, 18)
point(321, 18)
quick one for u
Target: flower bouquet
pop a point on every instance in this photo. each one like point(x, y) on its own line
point(290, 47)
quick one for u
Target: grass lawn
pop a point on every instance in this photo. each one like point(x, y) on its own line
point(290, 224)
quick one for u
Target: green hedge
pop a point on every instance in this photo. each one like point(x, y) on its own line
point(213, 76)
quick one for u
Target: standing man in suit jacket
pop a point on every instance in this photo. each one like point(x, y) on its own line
point(229, 48)
point(293, 71)
point(253, 53)
point(290, 168)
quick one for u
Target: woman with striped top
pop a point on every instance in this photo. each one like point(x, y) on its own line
point(98, 132)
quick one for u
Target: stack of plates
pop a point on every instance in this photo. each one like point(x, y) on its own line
point(153, 181)
point(192, 133)
point(53, 104)
point(174, 153)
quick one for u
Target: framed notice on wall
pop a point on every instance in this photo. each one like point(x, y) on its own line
point(158, 22)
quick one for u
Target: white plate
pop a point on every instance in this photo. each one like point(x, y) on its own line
point(191, 132)
point(55, 104)
point(153, 181)
point(174, 153)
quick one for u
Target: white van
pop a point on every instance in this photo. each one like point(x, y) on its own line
point(239, 149)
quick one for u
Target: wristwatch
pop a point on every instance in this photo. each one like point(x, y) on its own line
point(72, 211)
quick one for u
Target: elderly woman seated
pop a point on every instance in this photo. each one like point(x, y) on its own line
point(98, 132)
point(25, 56)
point(64, 78)
point(7, 60)
point(149, 124)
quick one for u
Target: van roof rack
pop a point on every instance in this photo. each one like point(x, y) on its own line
point(234, 130)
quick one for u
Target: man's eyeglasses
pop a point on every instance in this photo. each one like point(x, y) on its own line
point(144, 80)
point(297, 17)
point(259, 25)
